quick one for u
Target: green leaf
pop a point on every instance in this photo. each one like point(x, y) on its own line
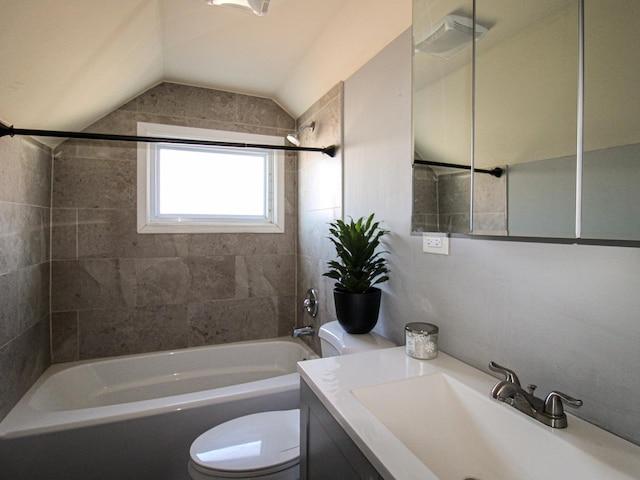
point(359, 264)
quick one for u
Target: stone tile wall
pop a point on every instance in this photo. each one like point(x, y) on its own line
point(25, 192)
point(115, 291)
point(319, 202)
point(454, 197)
point(441, 202)
point(424, 216)
point(490, 204)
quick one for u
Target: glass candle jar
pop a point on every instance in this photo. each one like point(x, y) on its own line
point(421, 340)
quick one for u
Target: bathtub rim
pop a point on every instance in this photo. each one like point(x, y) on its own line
point(23, 420)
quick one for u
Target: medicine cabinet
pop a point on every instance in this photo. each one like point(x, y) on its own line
point(512, 140)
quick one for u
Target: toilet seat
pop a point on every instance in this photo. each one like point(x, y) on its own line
point(250, 446)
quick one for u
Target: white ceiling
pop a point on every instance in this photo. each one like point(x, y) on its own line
point(66, 63)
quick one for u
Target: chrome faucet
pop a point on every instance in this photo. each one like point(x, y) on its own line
point(549, 411)
point(308, 330)
point(310, 303)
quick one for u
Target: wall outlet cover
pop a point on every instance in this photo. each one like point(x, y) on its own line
point(436, 244)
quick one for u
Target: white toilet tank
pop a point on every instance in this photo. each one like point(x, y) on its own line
point(335, 341)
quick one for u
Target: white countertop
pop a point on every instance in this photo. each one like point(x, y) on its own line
point(333, 379)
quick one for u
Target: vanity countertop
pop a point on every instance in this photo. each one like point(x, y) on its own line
point(334, 379)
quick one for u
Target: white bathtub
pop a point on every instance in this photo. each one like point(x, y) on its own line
point(135, 416)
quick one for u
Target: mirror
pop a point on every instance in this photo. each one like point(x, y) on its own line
point(525, 93)
point(525, 121)
point(442, 99)
point(611, 159)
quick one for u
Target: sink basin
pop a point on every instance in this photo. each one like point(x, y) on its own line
point(460, 433)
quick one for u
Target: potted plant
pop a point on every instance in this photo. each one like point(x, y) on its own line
point(359, 267)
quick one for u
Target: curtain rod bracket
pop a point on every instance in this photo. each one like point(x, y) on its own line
point(11, 131)
point(6, 130)
point(330, 150)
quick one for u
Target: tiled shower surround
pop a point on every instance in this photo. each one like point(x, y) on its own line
point(115, 291)
point(319, 202)
point(441, 202)
point(424, 215)
point(25, 191)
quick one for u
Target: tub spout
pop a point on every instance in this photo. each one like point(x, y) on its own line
point(308, 330)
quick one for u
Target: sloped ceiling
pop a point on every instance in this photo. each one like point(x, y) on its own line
point(66, 63)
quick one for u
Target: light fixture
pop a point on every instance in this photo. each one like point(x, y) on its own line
point(259, 7)
point(294, 138)
point(449, 36)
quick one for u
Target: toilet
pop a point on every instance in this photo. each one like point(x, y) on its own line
point(266, 445)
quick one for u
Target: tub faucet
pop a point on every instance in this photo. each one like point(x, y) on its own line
point(308, 330)
point(549, 411)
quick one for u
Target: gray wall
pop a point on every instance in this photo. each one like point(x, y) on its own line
point(563, 317)
point(117, 292)
point(319, 202)
point(542, 198)
point(611, 194)
point(542, 195)
point(25, 195)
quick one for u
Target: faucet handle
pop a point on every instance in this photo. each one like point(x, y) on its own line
point(553, 403)
point(310, 303)
point(510, 375)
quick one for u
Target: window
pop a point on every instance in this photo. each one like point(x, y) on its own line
point(205, 189)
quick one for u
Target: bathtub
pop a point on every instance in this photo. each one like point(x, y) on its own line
point(134, 417)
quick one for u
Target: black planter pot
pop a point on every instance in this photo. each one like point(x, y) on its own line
point(357, 312)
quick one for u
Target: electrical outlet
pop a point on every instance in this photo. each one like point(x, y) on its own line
point(435, 244)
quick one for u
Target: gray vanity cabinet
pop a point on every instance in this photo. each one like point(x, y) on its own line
point(326, 451)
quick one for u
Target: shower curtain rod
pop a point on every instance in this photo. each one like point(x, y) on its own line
point(496, 172)
point(11, 131)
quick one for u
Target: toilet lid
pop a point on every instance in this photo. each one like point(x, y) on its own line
point(262, 441)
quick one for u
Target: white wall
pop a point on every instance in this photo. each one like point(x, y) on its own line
point(564, 317)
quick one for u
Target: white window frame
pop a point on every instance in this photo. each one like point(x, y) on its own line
point(150, 222)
